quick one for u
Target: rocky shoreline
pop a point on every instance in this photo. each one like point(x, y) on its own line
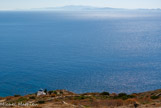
point(67, 99)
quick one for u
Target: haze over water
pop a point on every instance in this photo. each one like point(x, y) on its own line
point(80, 51)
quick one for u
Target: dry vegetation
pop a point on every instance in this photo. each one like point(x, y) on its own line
point(66, 99)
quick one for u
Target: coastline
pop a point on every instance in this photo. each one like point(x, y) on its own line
point(68, 99)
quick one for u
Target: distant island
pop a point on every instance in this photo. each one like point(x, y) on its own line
point(85, 8)
point(67, 99)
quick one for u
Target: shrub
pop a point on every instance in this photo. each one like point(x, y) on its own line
point(32, 97)
point(115, 97)
point(50, 92)
point(122, 94)
point(61, 92)
point(55, 92)
point(45, 91)
point(81, 97)
point(105, 93)
point(17, 95)
point(41, 102)
point(104, 97)
point(124, 97)
point(154, 97)
point(21, 99)
point(131, 96)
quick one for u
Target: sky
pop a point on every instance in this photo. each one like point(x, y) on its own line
point(29, 4)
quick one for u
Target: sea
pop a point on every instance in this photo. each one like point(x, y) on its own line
point(84, 51)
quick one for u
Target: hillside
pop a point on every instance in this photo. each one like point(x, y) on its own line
point(67, 99)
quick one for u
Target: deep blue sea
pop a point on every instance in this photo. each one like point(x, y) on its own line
point(80, 51)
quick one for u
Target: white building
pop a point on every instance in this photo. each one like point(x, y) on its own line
point(41, 92)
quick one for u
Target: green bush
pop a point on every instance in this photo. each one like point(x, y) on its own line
point(17, 95)
point(105, 93)
point(61, 92)
point(41, 102)
point(32, 97)
point(45, 91)
point(55, 92)
point(104, 97)
point(131, 96)
point(154, 97)
point(50, 92)
point(124, 97)
point(81, 97)
point(122, 94)
point(22, 99)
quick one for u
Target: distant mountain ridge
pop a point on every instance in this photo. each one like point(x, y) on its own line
point(85, 8)
point(75, 8)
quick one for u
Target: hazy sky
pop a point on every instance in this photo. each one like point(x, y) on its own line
point(28, 4)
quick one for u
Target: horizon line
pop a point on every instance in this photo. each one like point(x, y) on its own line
point(48, 8)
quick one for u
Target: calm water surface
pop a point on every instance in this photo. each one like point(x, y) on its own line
point(80, 52)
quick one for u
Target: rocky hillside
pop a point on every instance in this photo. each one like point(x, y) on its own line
point(67, 99)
